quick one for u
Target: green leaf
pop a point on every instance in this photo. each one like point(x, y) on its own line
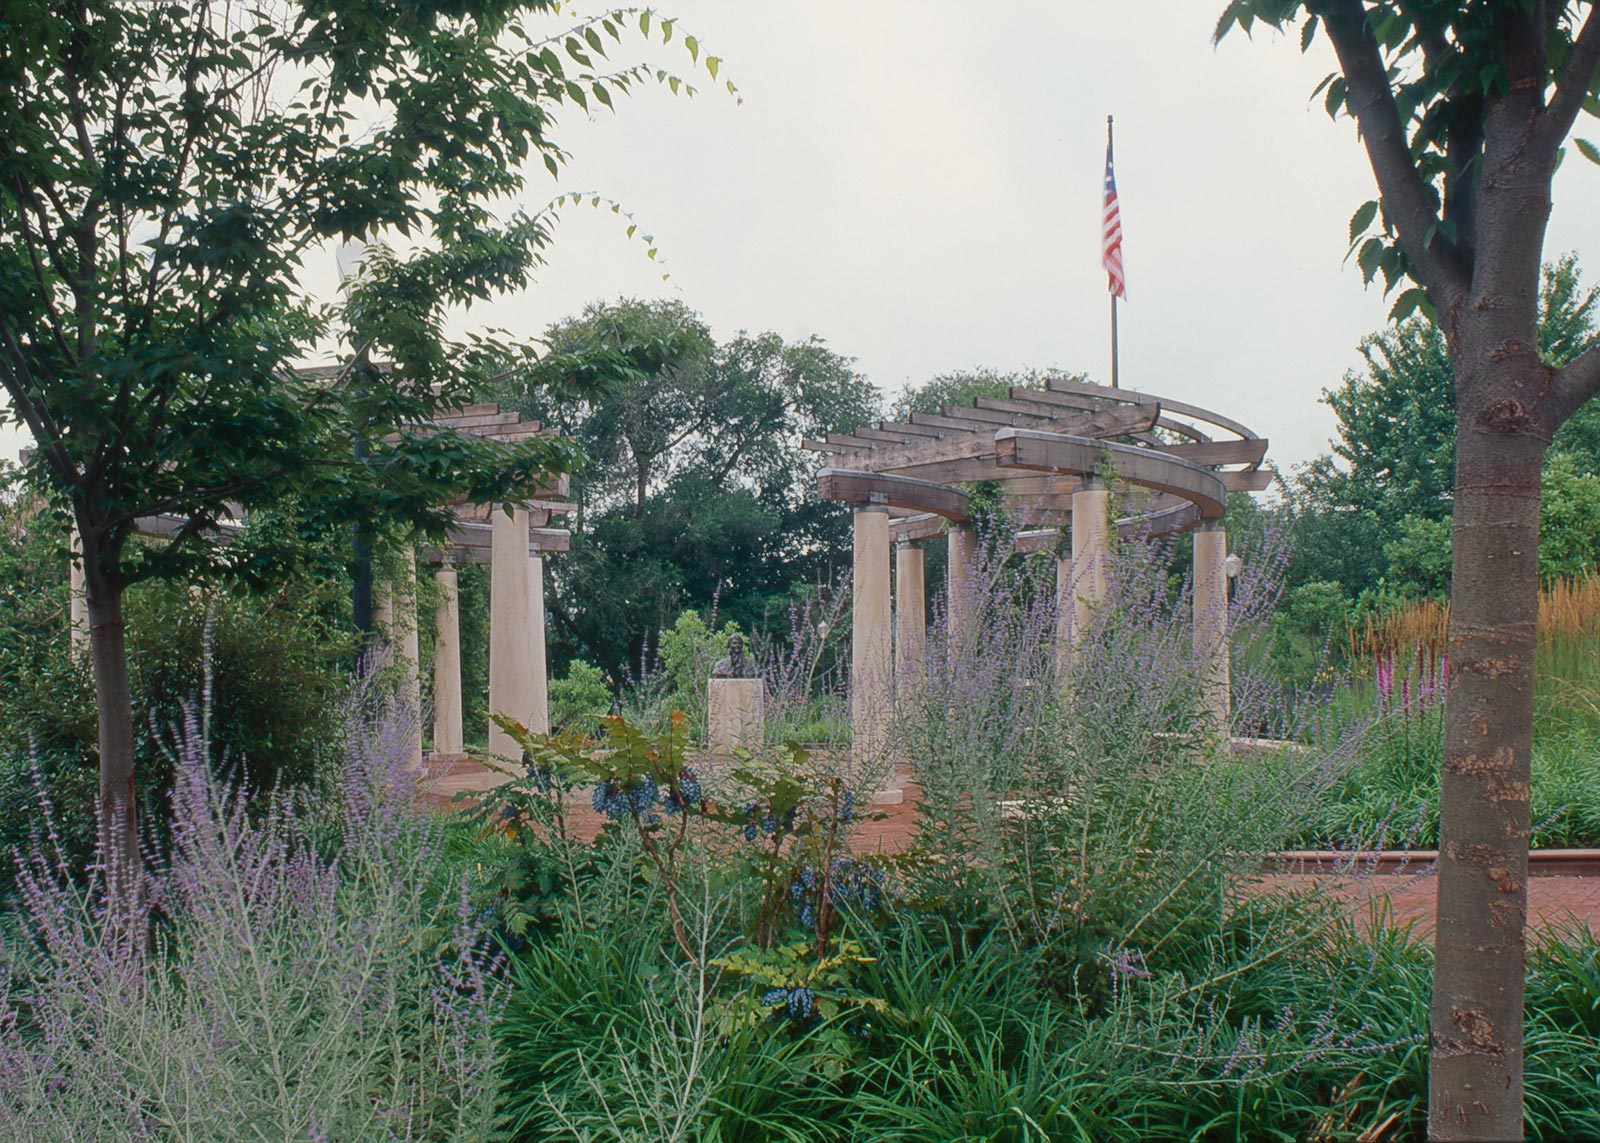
point(1588, 150)
point(694, 48)
point(1409, 302)
point(1362, 218)
point(1308, 32)
point(1335, 97)
point(1592, 105)
point(1369, 258)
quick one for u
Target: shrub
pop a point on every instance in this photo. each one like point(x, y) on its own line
point(303, 973)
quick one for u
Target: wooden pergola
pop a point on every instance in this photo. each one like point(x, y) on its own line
point(513, 540)
point(1073, 460)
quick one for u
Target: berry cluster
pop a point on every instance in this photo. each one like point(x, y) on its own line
point(851, 883)
point(687, 794)
point(541, 776)
point(857, 884)
point(761, 820)
point(617, 801)
point(799, 1002)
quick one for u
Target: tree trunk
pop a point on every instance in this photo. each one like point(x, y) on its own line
point(118, 825)
point(1475, 1078)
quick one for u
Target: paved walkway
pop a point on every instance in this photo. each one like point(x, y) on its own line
point(1555, 901)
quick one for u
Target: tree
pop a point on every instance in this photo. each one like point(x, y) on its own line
point(961, 386)
point(1390, 477)
point(696, 492)
point(1464, 108)
point(166, 169)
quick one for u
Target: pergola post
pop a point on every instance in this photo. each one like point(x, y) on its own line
point(78, 609)
point(510, 637)
point(910, 614)
point(1066, 626)
point(960, 602)
point(1091, 550)
point(1211, 618)
point(538, 675)
point(395, 605)
point(448, 726)
point(871, 640)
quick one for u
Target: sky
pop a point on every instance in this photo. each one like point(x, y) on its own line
point(918, 182)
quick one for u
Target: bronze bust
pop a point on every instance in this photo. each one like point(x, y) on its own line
point(736, 664)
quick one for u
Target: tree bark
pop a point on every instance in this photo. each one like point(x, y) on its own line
point(118, 824)
point(1475, 1078)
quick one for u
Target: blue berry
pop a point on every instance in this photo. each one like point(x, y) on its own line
point(750, 831)
point(801, 1002)
point(769, 825)
point(689, 788)
point(773, 997)
point(643, 794)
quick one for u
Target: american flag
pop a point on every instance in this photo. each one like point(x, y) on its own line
point(1111, 234)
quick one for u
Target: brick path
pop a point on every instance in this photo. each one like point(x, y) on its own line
point(1553, 901)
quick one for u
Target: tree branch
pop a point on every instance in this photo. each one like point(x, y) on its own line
point(1573, 84)
point(1576, 382)
point(1445, 273)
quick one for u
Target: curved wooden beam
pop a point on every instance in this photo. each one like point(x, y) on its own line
point(853, 487)
point(914, 529)
point(1057, 452)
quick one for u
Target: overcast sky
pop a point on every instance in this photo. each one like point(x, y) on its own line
point(918, 183)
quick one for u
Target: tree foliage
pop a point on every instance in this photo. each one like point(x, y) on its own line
point(167, 171)
point(696, 492)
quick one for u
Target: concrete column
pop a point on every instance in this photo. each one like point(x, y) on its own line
point(1091, 550)
point(960, 596)
point(910, 614)
point(1211, 618)
point(1066, 624)
point(539, 675)
point(510, 637)
point(78, 609)
point(449, 738)
point(394, 608)
point(871, 640)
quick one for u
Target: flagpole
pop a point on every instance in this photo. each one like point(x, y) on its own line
point(1114, 378)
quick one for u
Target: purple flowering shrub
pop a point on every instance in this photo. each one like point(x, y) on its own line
point(286, 971)
point(1084, 800)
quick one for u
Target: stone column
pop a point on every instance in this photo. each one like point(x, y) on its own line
point(910, 614)
point(1211, 618)
point(510, 640)
point(959, 587)
point(871, 641)
point(395, 611)
point(1066, 619)
point(78, 609)
point(449, 738)
point(539, 701)
point(1091, 550)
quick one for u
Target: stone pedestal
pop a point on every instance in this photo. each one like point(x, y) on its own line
point(448, 733)
point(735, 715)
point(1211, 619)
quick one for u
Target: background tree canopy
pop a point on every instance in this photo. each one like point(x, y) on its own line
point(696, 493)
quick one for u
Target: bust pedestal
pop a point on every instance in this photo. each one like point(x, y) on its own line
point(735, 715)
